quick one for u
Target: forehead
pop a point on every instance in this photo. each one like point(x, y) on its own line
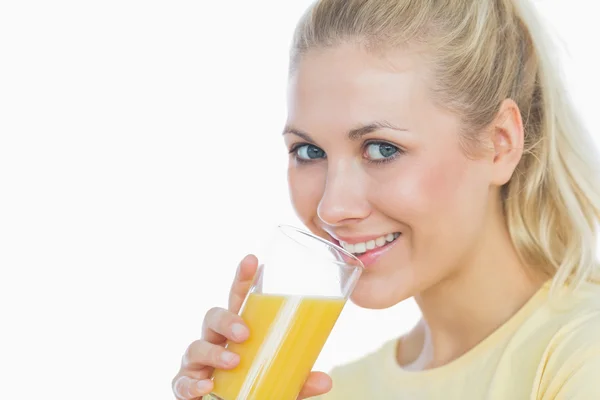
point(348, 85)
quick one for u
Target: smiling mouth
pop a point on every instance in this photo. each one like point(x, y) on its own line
point(364, 247)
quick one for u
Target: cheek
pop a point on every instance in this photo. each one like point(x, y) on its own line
point(426, 191)
point(306, 183)
point(444, 183)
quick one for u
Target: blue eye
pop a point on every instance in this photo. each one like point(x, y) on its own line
point(380, 151)
point(308, 152)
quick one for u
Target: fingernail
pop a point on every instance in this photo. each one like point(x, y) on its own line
point(203, 385)
point(228, 357)
point(239, 331)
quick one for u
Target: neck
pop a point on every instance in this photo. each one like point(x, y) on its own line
point(461, 311)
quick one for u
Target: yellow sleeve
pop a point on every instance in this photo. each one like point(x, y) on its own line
point(572, 368)
point(583, 383)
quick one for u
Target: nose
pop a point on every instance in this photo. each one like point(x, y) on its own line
point(344, 198)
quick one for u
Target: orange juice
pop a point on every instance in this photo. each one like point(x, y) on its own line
point(287, 334)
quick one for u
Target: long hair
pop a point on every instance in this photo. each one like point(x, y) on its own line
point(482, 52)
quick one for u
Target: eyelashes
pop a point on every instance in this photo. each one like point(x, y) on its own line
point(306, 153)
point(381, 152)
point(374, 152)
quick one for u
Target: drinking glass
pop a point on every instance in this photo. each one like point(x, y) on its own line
point(293, 304)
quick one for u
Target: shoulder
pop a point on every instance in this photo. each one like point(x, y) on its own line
point(570, 366)
point(578, 323)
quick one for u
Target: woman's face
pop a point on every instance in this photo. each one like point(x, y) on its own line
point(376, 166)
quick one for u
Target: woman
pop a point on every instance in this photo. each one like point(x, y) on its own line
point(444, 122)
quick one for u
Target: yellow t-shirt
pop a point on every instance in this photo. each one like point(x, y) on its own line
point(541, 353)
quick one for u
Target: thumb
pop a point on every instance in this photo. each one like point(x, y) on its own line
point(317, 383)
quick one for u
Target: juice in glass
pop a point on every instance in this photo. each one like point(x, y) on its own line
point(294, 302)
point(287, 335)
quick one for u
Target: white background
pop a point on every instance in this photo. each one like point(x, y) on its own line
point(140, 159)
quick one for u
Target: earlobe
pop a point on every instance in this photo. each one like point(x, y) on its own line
point(508, 139)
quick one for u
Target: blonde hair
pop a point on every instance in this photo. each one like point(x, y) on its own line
point(483, 52)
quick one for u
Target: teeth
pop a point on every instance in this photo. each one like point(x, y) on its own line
point(359, 248)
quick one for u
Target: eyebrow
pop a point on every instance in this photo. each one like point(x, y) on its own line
point(353, 134)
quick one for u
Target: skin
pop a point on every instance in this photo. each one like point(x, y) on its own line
point(454, 255)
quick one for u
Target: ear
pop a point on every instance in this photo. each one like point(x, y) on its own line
point(508, 140)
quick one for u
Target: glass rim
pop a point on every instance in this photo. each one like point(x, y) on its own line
point(284, 227)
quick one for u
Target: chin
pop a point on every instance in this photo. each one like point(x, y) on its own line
point(376, 293)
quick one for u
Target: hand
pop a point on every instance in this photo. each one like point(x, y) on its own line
point(204, 355)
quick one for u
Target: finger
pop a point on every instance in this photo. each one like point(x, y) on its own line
point(186, 388)
point(201, 354)
point(220, 324)
point(198, 374)
point(317, 383)
point(242, 282)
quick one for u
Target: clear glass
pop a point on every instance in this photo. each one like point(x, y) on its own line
point(296, 298)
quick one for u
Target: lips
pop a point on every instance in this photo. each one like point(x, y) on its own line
point(369, 256)
point(361, 247)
